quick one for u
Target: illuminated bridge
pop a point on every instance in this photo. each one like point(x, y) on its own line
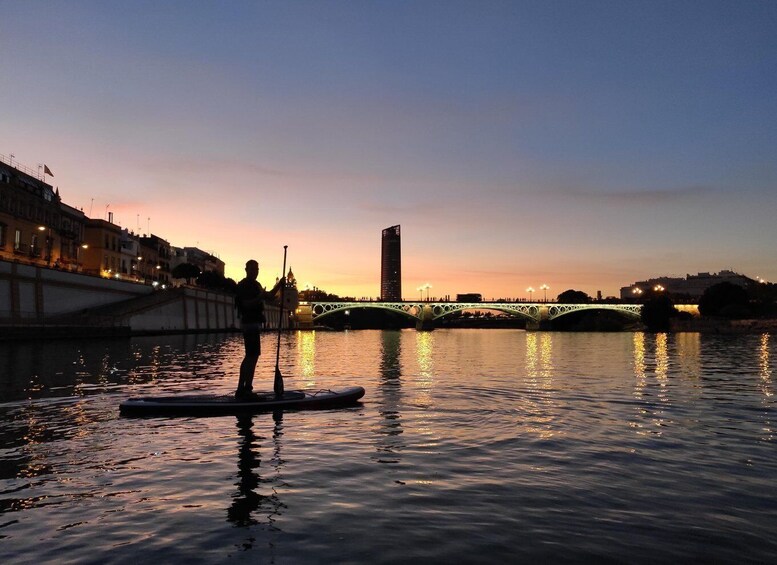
point(536, 314)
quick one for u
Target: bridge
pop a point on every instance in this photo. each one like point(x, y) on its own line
point(538, 315)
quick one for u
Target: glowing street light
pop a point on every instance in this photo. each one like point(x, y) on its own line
point(545, 288)
point(659, 288)
point(422, 288)
point(636, 291)
point(530, 290)
point(48, 242)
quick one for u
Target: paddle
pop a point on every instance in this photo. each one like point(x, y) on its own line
point(278, 383)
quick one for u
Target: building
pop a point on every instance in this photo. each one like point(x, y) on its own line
point(37, 228)
point(691, 287)
point(391, 265)
point(72, 226)
point(102, 252)
point(130, 256)
point(30, 216)
point(154, 259)
point(206, 262)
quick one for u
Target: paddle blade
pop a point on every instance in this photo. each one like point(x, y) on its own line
point(278, 383)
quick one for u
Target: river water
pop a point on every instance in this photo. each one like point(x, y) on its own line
point(469, 446)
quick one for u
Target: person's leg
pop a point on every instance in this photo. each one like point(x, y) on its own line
point(248, 366)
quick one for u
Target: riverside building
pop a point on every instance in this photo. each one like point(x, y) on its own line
point(691, 287)
point(32, 228)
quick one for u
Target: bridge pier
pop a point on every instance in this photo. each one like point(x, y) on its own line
point(425, 322)
point(304, 315)
point(543, 324)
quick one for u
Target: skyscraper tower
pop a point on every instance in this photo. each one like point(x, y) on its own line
point(390, 265)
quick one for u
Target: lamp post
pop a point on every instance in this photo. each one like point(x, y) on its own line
point(48, 242)
point(530, 290)
point(426, 287)
point(545, 288)
point(637, 292)
point(78, 255)
point(659, 288)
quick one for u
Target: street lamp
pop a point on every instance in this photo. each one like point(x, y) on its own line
point(545, 288)
point(83, 246)
point(48, 243)
point(530, 290)
point(426, 287)
point(659, 288)
point(636, 291)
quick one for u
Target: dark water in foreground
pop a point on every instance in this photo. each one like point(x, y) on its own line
point(470, 446)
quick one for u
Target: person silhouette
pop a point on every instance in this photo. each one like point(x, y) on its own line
point(250, 297)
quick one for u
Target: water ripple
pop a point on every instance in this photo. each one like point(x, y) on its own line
point(470, 446)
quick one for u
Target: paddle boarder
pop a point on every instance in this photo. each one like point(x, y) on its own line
point(249, 301)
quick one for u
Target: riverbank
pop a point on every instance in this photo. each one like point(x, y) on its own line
point(724, 326)
point(38, 302)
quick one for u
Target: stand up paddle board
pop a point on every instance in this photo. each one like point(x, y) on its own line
point(211, 404)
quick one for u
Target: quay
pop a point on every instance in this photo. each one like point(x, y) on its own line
point(40, 302)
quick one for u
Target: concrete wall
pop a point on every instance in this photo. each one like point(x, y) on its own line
point(35, 297)
point(189, 310)
point(28, 292)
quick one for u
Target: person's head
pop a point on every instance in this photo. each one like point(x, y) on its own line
point(252, 269)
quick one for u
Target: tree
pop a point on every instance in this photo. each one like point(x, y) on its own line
point(657, 310)
point(725, 299)
point(216, 281)
point(186, 271)
point(573, 297)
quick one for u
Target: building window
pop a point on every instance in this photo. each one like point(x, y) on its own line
point(3, 232)
point(17, 240)
point(34, 251)
point(5, 177)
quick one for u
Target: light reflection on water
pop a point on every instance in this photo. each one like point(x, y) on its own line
point(471, 445)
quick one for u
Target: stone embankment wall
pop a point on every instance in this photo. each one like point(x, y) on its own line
point(29, 293)
point(41, 301)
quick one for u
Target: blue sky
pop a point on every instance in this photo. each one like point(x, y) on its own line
point(578, 144)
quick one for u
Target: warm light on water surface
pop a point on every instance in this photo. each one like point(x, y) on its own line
point(470, 446)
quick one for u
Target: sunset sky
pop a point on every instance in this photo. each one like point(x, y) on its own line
point(582, 145)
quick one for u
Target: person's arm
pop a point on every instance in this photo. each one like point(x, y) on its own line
point(278, 285)
point(250, 299)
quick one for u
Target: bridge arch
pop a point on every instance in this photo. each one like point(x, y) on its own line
point(627, 310)
point(528, 311)
point(410, 309)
